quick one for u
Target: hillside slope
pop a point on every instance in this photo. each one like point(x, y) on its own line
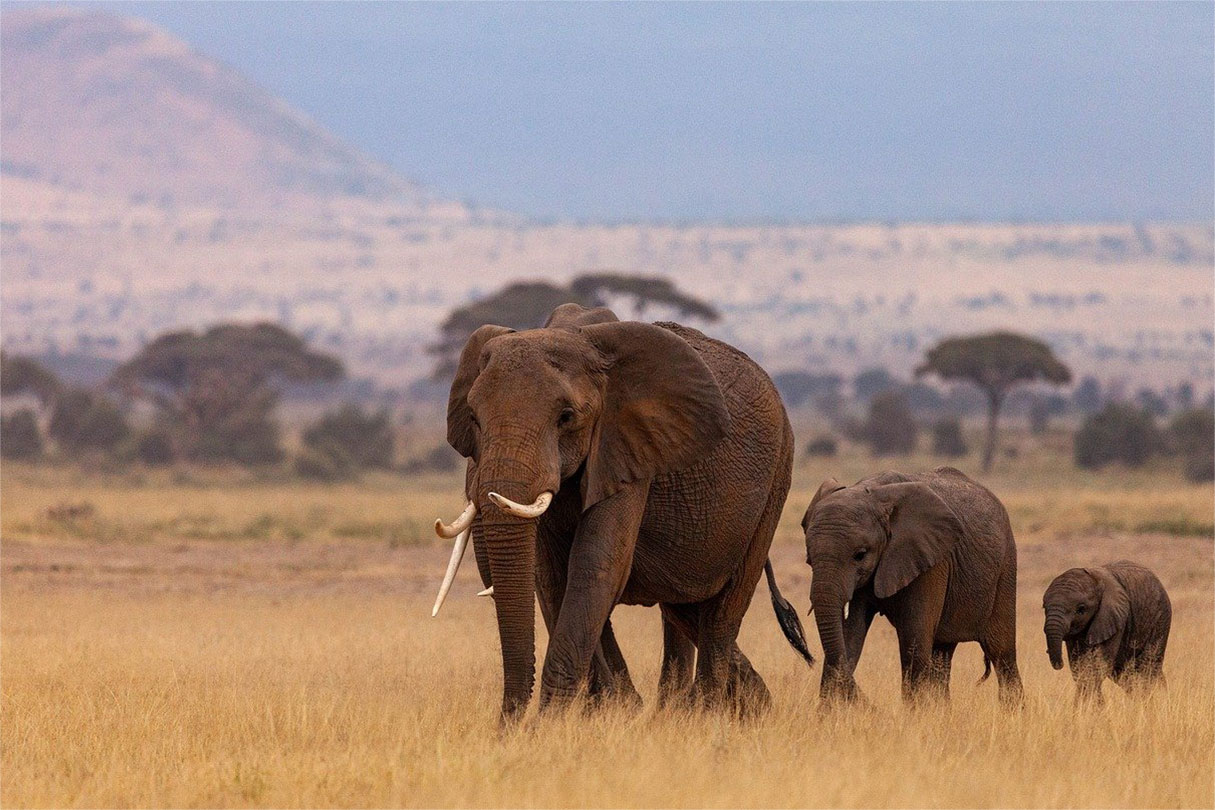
point(117, 107)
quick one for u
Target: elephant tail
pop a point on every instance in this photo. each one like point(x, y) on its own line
point(986, 669)
point(790, 624)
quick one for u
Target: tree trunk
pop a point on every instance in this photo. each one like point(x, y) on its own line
point(995, 398)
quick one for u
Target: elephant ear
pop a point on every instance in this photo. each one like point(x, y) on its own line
point(1114, 610)
point(574, 316)
point(662, 407)
point(460, 433)
point(825, 489)
point(922, 531)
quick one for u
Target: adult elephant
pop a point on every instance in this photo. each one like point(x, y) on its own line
point(619, 462)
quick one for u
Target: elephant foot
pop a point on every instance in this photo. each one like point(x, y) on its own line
point(624, 699)
point(841, 692)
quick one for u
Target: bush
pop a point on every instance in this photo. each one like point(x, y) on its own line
point(947, 438)
point(890, 428)
point(154, 447)
point(19, 436)
point(1117, 433)
point(823, 446)
point(366, 438)
point(84, 420)
point(440, 458)
point(1192, 433)
point(222, 418)
point(328, 463)
point(1199, 469)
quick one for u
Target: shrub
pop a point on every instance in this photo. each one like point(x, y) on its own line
point(154, 447)
point(19, 436)
point(890, 428)
point(824, 446)
point(947, 438)
point(366, 438)
point(326, 463)
point(1118, 432)
point(1192, 433)
point(84, 420)
point(440, 458)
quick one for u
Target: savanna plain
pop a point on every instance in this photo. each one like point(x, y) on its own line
point(220, 639)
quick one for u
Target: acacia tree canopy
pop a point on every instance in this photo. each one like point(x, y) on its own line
point(526, 304)
point(994, 362)
point(215, 389)
point(20, 375)
point(259, 352)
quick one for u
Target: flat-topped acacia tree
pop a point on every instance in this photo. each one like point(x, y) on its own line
point(996, 363)
point(525, 305)
point(216, 389)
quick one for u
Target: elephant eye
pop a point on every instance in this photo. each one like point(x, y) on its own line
point(567, 416)
point(1081, 608)
point(860, 555)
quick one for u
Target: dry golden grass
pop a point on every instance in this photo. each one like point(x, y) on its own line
point(173, 668)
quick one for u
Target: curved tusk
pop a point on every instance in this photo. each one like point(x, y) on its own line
point(459, 524)
point(535, 510)
point(487, 592)
point(457, 554)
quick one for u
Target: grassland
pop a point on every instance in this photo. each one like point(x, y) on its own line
point(191, 639)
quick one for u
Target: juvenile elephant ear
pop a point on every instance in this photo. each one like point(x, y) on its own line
point(1114, 610)
point(825, 489)
point(460, 434)
point(922, 531)
point(662, 407)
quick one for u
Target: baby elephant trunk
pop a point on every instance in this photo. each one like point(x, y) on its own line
point(1056, 623)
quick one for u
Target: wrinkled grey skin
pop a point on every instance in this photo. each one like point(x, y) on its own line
point(670, 457)
point(1114, 620)
point(934, 553)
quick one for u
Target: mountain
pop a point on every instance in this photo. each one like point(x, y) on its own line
point(116, 107)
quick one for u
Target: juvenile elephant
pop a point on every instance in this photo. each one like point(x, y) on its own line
point(619, 462)
point(1115, 620)
point(934, 553)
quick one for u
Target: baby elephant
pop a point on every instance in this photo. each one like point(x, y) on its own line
point(1115, 620)
point(933, 552)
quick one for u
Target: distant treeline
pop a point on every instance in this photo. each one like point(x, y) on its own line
point(211, 397)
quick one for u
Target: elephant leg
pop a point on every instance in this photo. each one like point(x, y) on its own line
point(723, 673)
point(679, 624)
point(941, 667)
point(856, 627)
point(918, 612)
point(746, 688)
point(599, 565)
point(1089, 669)
point(610, 677)
point(1000, 642)
point(609, 673)
point(717, 660)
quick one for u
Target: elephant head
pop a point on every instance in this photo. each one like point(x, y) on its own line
point(1083, 603)
point(885, 534)
point(588, 400)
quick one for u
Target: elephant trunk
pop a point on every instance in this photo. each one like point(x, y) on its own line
point(510, 545)
point(829, 600)
point(1056, 624)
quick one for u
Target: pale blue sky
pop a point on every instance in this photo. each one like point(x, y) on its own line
point(744, 112)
